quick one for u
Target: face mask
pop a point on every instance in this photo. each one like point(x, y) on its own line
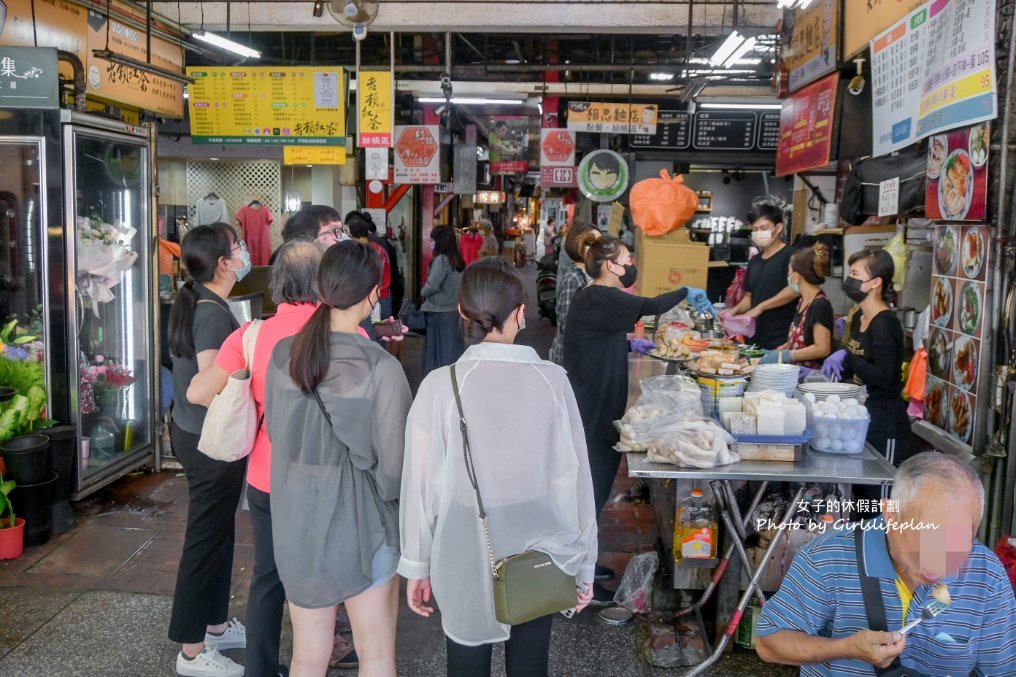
point(763, 238)
point(631, 273)
point(792, 285)
point(243, 270)
point(852, 288)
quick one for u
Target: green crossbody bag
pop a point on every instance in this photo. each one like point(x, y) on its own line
point(527, 585)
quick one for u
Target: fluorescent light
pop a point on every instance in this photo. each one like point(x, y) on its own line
point(739, 62)
point(745, 47)
point(661, 76)
point(743, 106)
point(729, 46)
point(229, 45)
point(467, 101)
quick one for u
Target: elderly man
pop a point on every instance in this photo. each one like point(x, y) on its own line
point(925, 537)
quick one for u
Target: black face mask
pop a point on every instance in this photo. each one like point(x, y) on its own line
point(852, 288)
point(631, 273)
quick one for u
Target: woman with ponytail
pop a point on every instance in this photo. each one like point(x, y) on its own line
point(199, 323)
point(533, 479)
point(335, 409)
point(443, 343)
point(810, 339)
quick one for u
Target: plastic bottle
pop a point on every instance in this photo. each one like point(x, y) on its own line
point(695, 530)
point(640, 330)
point(103, 440)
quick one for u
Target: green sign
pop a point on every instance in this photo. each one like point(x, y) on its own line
point(28, 77)
point(603, 176)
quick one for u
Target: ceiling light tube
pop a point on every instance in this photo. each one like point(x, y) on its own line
point(228, 45)
point(665, 77)
point(468, 101)
point(745, 47)
point(742, 106)
point(729, 46)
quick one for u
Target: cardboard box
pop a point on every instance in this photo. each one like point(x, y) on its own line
point(671, 261)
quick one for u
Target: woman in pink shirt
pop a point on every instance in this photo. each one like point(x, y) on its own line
point(293, 287)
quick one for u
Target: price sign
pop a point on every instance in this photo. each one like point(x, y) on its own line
point(725, 130)
point(673, 131)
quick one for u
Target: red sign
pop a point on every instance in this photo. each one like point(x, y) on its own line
point(806, 127)
point(416, 155)
point(557, 157)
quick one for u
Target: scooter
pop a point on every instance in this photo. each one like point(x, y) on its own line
point(546, 283)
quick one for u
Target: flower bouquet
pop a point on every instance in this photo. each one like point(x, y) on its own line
point(101, 382)
point(104, 254)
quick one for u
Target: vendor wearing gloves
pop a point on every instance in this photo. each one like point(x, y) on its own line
point(810, 338)
point(873, 357)
point(596, 354)
point(766, 294)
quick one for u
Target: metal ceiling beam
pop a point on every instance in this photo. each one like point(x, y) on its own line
point(481, 16)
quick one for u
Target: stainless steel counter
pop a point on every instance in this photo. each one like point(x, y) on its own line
point(868, 467)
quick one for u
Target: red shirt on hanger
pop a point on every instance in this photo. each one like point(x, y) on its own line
point(255, 220)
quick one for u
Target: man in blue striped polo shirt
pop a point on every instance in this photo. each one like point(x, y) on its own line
point(925, 537)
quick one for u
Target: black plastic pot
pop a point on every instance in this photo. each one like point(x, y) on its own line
point(27, 458)
point(33, 503)
point(63, 447)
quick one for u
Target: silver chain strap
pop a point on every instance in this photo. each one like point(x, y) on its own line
point(490, 548)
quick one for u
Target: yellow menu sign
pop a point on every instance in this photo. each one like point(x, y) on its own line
point(374, 96)
point(314, 155)
point(268, 105)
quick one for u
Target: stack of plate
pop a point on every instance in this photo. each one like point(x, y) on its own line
point(822, 391)
point(779, 377)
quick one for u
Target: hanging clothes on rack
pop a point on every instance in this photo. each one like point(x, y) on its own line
point(211, 209)
point(255, 220)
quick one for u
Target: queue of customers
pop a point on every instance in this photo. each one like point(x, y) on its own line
point(350, 481)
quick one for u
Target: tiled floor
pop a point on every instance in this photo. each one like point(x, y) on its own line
point(96, 601)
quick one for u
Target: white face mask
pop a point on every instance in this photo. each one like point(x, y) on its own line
point(762, 238)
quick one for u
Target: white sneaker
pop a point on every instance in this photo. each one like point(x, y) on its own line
point(235, 637)
point(208, 663)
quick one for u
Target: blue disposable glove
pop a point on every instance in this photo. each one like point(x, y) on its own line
point(804, 372)
point(833, 365)
point(773, 357)
point(698, 300)
point(641, 346)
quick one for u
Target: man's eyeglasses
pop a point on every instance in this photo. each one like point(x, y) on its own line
point(339, 232)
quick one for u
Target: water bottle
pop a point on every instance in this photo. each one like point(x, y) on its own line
point(103, 440)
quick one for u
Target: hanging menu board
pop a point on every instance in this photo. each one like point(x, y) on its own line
point(958, 352)
point(933, 71)
point(713, 130)
point(812, 35)
point(806, 127)
point(725, 130)
point(769, 130)
point(673, 131)
point(268, 105)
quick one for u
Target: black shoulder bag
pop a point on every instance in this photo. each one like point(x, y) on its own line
point(875, 609)
point(527, 585)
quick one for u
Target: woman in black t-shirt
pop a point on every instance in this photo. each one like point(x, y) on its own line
point(873, 357)
point(810, 338)
point(199, 323)
point(596, 350)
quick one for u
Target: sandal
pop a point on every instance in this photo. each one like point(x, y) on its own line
point(343, 654)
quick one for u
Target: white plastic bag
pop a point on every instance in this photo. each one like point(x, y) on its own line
point(690, 443)
point(663, 397)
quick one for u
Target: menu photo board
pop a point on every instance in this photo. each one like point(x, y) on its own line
point(811, 48)
point(713, 130)
point(933, 71)
point(268, 105)
point(807, 127)
point(957, 186)
point(958, 350)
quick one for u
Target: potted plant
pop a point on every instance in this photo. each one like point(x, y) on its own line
point(24, 451)
point(12, 529)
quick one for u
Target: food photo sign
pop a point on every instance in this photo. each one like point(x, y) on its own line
point(957, 346)
point(957, 187)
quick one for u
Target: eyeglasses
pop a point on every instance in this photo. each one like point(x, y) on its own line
point(241, 245)
point(339, 232)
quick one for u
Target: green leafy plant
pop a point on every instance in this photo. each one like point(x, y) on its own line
point(23, 413)
point(8, 335)
point(6, 487)
point(22, 374)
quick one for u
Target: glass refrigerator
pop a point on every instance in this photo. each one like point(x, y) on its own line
point(82, 246)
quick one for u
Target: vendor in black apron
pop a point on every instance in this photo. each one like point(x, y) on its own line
point(767, 297)
point(873, 357)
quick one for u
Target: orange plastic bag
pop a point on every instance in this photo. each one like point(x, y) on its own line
point(658, 206)
point(918, 377)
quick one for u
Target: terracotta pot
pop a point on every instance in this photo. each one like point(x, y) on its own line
point(12, 539)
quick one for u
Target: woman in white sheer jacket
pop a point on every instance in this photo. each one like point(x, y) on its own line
point(529, 454)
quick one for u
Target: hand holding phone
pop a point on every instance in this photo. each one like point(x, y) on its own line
point(388, 329)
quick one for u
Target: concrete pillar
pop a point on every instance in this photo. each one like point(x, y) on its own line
point(324, 186)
